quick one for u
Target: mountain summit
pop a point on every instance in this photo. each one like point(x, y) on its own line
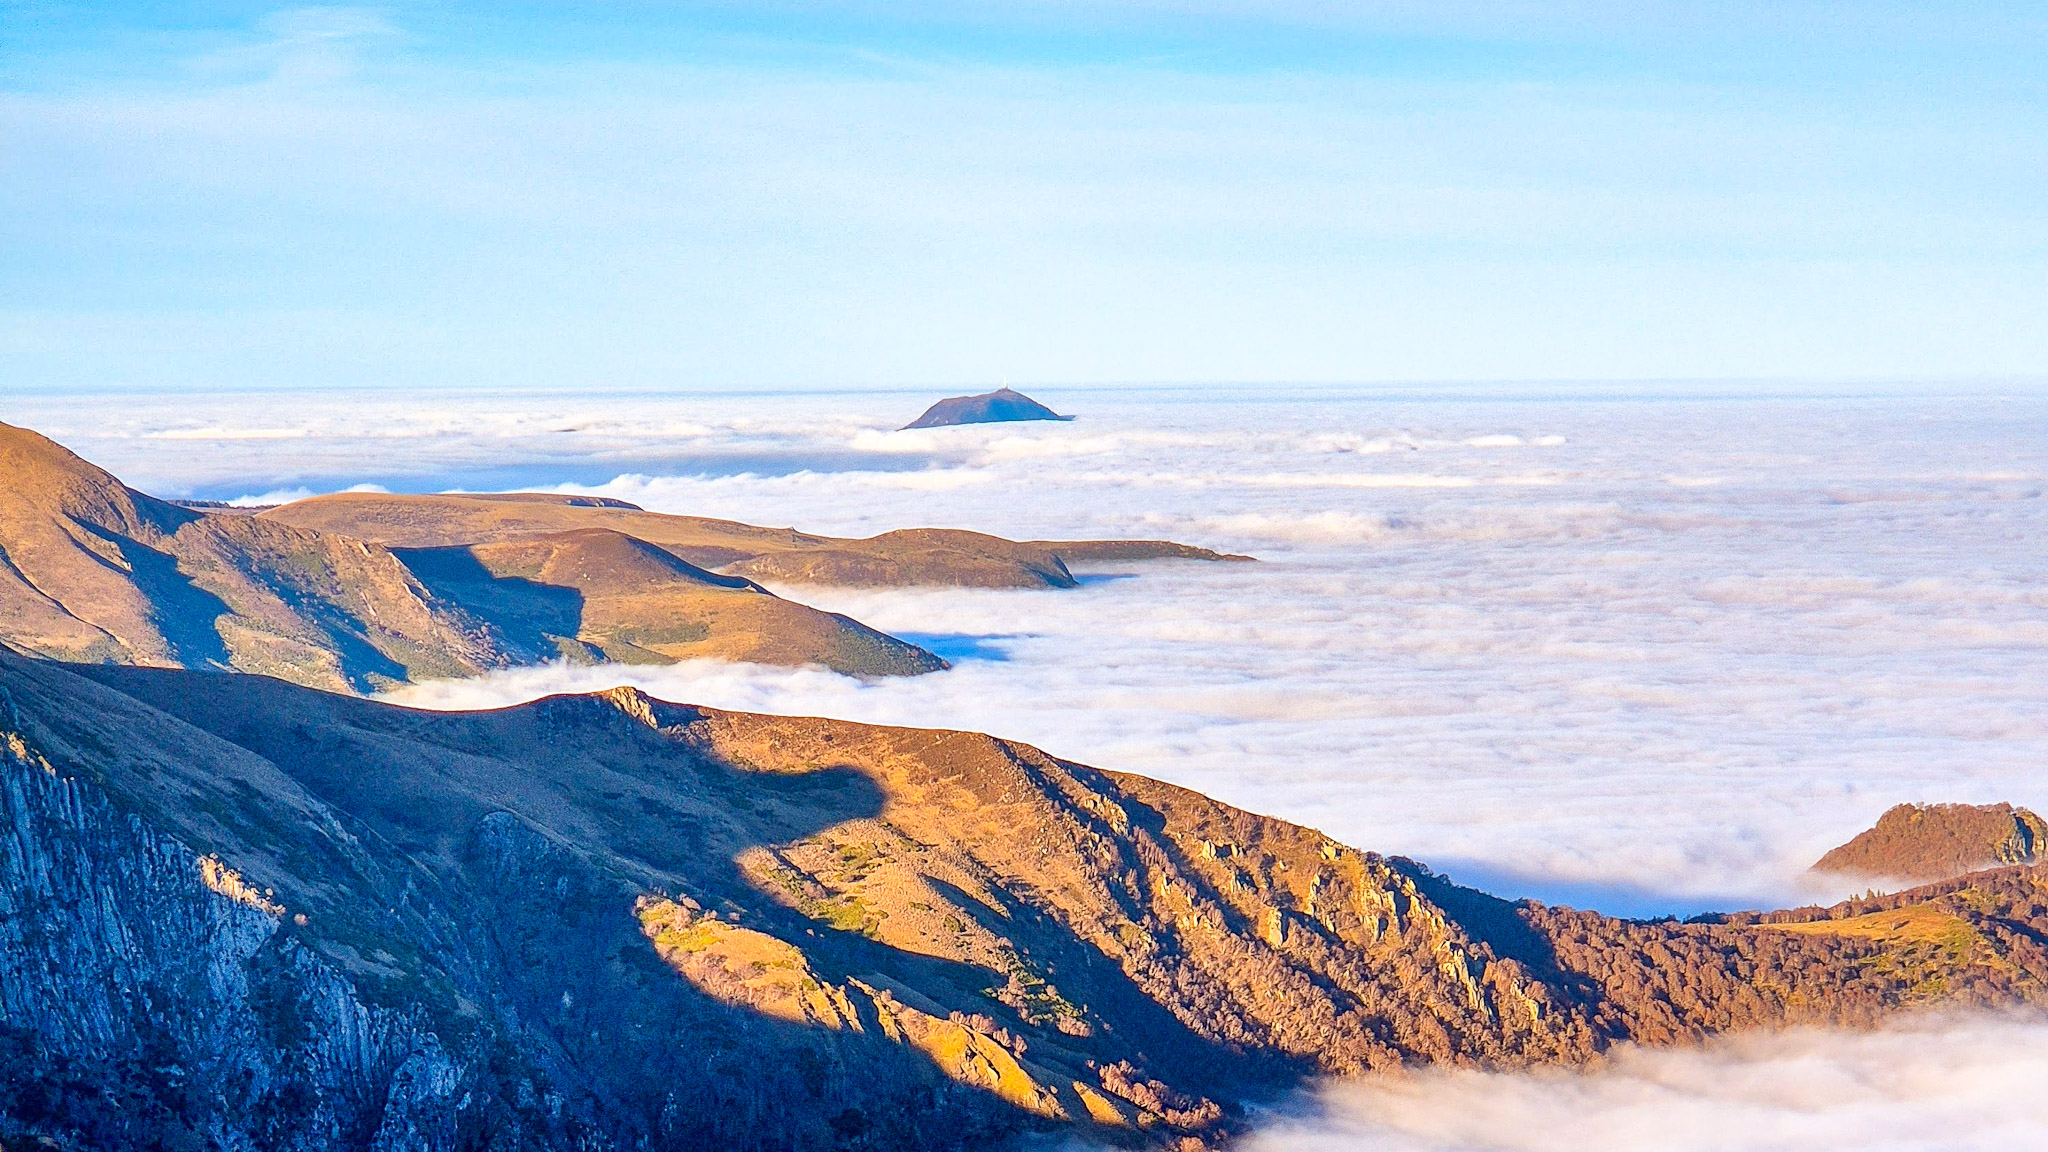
point(1003, 404)
point(1922, 842)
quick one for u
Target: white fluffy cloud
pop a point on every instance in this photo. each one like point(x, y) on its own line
point(1947, 1084)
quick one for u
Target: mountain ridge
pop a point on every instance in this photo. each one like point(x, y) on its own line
point(93, 570)
point(903, 557)
point(608, 920)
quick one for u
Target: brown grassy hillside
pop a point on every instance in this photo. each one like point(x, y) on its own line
point(608, 921)
point(92, 570)
point(915, 556)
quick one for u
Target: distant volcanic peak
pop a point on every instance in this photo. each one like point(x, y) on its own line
point(1938, 841)
point(1000, 406)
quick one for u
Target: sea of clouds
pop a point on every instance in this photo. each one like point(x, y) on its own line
point(1646, 654)
point(1955, 1084)
point(1642, 654)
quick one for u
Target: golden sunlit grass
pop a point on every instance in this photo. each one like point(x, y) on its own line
point(1914, 924)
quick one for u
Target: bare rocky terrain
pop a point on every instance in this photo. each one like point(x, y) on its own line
point(240, 913)
point(366, 591)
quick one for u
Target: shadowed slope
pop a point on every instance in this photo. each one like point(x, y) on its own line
point(607, 921)
point(593, 593)
point(918, 556)
point(92, 570)
point(66, 588)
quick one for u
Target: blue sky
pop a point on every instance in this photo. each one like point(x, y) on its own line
point(640, 195)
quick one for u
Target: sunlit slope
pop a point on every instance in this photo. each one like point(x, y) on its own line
point(916, 556)
point(607, 921)
point(1921, 842)
point(92, 570)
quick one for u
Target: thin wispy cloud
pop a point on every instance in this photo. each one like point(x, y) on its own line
point(299, 47)
point(747, 195)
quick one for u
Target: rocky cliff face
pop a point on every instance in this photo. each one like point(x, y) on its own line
point(245, 914)
point(150, 1000)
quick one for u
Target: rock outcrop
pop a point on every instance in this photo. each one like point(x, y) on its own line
point(1000, 406)
point(1922, 842)
point(148, 998)
point(91, 570)
point(244, 914)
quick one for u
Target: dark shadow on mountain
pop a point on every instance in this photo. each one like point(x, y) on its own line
point(537, 618)
point(1499, 924)
point(499, 861)
point(186, 614)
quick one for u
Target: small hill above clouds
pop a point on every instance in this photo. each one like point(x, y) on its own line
point(91, 570)
point(910, 557)
point(1000, 406)
point(1922, 842)
point(96, 571)
point(611, 921)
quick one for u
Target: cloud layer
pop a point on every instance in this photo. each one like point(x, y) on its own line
point(1954, 1084)
point(1642, 656)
